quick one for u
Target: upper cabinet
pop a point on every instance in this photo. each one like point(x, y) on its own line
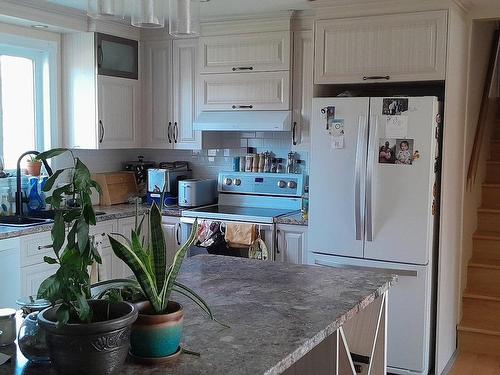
point(169, 94)
point(101, 101)
point(259, 52)
point(393, 48)
point(245, 72)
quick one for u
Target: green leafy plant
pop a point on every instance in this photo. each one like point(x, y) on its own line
point(74, 249)
point(156, 279)
point(34, 159)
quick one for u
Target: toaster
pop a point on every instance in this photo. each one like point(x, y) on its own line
point(197, 192)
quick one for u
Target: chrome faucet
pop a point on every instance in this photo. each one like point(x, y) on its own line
point(19, 195)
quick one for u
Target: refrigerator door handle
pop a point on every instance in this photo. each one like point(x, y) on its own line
point(369, 176)
point(395, 271)
point(360, 155)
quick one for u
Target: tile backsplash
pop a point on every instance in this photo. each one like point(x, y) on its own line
point(217, 154)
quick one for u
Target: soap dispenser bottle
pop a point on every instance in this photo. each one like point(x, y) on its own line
point(35, 202)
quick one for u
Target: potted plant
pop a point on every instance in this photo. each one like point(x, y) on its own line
point(33, 166)
point(84, 336)
point(157, 332)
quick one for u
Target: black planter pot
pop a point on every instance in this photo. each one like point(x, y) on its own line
point(97, 348)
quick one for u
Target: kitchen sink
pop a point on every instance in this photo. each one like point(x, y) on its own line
point(22, 221)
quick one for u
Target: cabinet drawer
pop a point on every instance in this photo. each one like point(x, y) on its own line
point(35, 247)
point(245, 53)
point(251, 91)
point(402, 47)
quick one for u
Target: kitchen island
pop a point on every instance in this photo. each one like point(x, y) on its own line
point(283, 318)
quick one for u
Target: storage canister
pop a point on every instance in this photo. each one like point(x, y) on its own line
point(7, 326)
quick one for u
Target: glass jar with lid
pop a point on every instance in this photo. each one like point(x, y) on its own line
point(31, 338)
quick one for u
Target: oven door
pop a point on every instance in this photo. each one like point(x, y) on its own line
point(267, 233)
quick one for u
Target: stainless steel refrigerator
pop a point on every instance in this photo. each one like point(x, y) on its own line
point(373, 204)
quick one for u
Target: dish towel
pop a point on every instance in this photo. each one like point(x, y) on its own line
point(240, 235)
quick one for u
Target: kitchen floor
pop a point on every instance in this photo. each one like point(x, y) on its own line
point(476, 364)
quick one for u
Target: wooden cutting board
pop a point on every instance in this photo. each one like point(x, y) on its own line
point(117, 187)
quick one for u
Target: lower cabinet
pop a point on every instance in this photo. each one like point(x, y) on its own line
point(10, 265)
point(291, 243)
point(173, 236)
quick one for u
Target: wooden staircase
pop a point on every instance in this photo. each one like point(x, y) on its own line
point(479, 330)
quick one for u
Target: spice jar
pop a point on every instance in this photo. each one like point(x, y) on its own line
point(7, 326)
point(255, 164)
point(248, 163)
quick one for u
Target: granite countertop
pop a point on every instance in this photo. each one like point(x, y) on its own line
point(118, 211)
point(295, 218)
point(277, 313)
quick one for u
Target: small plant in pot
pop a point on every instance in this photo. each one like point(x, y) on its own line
point(84, 336)
point(33, 166)
point(157, 333)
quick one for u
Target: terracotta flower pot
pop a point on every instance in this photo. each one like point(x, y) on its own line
point(156, 336)
point(98, 348)
point(33, 168)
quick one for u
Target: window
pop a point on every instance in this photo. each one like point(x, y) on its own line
point(26, 93)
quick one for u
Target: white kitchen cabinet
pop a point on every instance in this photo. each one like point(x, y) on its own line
point(32, 276)
point(118, 112)
point(185, 68)
point(169, 94)
point(105, 269)
point(387, 48)
point(99, 111)
point(253, 52)
point(157, 93)
point(302, 88)
point(249, 91)
point(291, 244)
point(10, 265)
point(173, 236)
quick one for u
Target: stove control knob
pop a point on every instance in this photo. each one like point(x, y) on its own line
point(237, 182)
point(292, 184)
point(281, 184)
point(228, 181)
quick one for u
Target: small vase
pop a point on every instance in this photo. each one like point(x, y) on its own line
point(156, 336)
point(31, 340)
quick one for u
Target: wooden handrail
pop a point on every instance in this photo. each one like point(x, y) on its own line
point(483, 113)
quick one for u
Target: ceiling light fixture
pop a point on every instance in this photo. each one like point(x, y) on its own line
point(105, 9)
point(148, 14)
point(39, 27)
point(184, 18)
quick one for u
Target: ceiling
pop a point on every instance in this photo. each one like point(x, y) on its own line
point(222, 7)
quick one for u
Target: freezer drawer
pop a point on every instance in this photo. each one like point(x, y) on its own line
point(409, 314)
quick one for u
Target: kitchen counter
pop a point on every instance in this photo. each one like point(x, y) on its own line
point(279, 315)
point(115, 212)
point(295, 218)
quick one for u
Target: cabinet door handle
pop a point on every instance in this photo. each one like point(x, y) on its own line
point(367, 78)
point(101, 127)
point(169, 130)
point(278, 232)
point(294, 129)
point(177, 234)
point(176, 132)
point(241, 68)
point(100, 57)
point(44, 247)
point(242, 106)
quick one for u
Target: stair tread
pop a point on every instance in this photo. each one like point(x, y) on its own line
point(491, 210)
point(482, 263)
point(495, 162)
point(491, 185)
point(487, 235)
point(481, 296)
point(485, 327)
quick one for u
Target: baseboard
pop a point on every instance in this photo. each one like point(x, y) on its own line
point(450, 363)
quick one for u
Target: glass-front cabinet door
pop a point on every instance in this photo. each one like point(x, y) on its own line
point(116, 57)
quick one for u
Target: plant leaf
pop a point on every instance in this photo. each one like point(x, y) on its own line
point(58, 232)
point(48, 288)
point(81, 178)
point(96, 186)
point(176, 265)
point(62, 314)
point(51, 153)
point(158, 247)
point(82, 233)
point(82, 308)
point(52, 179)
point(49, 260)
point(140, 271)
point(71, 215)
